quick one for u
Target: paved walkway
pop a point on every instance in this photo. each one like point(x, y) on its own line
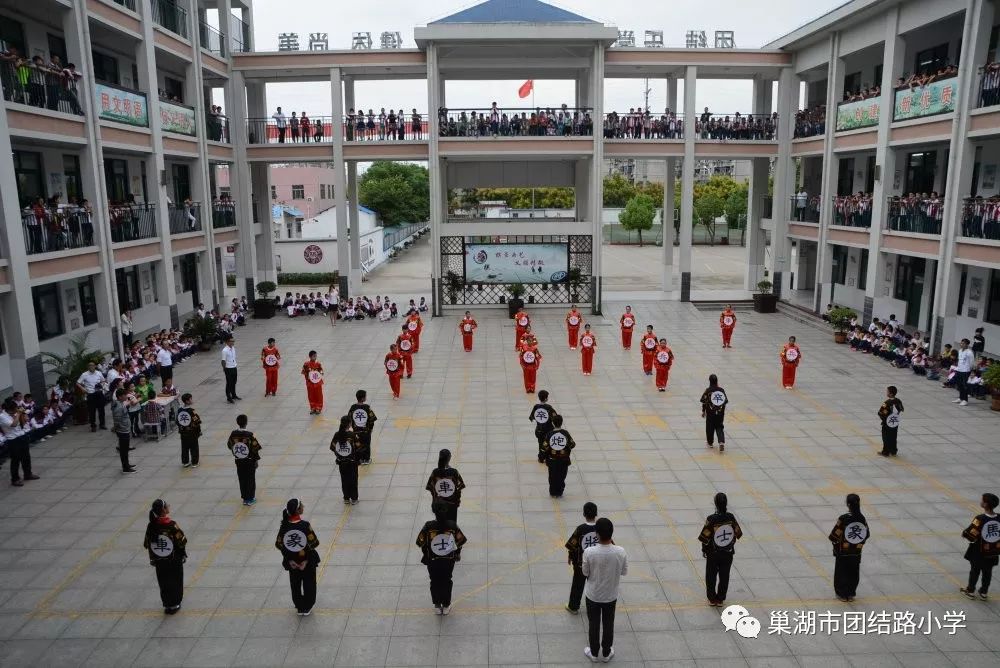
point(76, 587)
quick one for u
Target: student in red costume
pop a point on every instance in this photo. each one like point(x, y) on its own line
point(663, 359)
point(313, 373)
point(406, 345)
point(270, 358)
point(415, 325)
point(467, 326)
point(588, 346)
point(521, 324)
point(394, 369)
point(530, 360)
point(790, 357)
point(573, 320)
point(727, 321)
point(648, 349)
point(628, 324)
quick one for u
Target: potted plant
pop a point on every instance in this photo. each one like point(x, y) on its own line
point(574, 279)
point(515, 302)
point(991, 379)
point(765, 301)
point(203, 330)
point(840, 320)
point(263, 308)
point(71, 366)
point(453, 285)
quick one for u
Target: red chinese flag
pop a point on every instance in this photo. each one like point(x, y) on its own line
point(526, 88)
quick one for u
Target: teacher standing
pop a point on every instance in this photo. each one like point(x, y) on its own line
point(229, 368)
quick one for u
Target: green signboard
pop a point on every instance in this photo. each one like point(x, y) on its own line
point(177, 118)
point(859, 114)
point(937, 97)
point(121, 106)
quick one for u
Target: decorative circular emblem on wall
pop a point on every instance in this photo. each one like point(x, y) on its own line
point(313, 254)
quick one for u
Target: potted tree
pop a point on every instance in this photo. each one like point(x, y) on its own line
point(991, 379)
point(263, 308)
point(202, 329)
point(574, 279)
point(765, 301)
point(515, 302)
point(453, 285)
point(71, 366)
point(840, 319)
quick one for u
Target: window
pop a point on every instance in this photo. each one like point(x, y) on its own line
point(105, 68)
point(932, 59)
point(992, 53)
point(993, 303)
point(30, 180)
point(920, 168)
point(322, 191)
point(57, 47)
point(298, 192)
point(173, 88)
point(12, 35)
point(2, 349)
point(274, 192)
point(961, 290)
point(225, 190)
point(116, 179)
point(878, 76)
point(852, 82)
point(71, 173)
point(88, 300)
point(845, 176)
point(189, 273)
point(181, 177)
point(48, 311)
point(839, 267)
point(863, 270)
point(127, 282)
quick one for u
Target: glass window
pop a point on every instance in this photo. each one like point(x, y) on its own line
point(57, 47)
point(12, 35)
point(189, 272)
point(852, 83)
point(932, 59)
point(993, 305)
point(71, 173)
point(839, 267)
point(961, 290)
point(322, 191)
point(2, 349)
point(116, 179)
point(274, 192)
point(173, 88)
point(105, 68)
point(48, 310)
point(298, 192)
point(30, 180)
point(878, 76)
point(88, 300)
point(127, 282)
point(863, 270)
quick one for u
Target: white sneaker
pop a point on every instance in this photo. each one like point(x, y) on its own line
point(445, 610)
point(963, 403)
point(437, 609)
point(611, 655)
point(586, 653)
point(955, 401)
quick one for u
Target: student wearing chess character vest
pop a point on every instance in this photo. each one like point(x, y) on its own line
point(312, 371)
point(246, 451)
point(530, 360)
point(345, 446)
point(467, 326)
point(541, 414)
point(445, 485)
point(588, 346)
point(270, 359)
point(406, 347)
point(521, 322)
point(718, 544)
point(362, 422)
point(415, 326)
point(888, 413)
point(297, 543)
point(663, 359)
point(393, 363)
point(713, 409)
point(167, 547)
point(790, 357)
point(727, 321)
point(848, 538)
point(558, 445)
point(189, 426)
point(648, 343)
point(573, 320)
point(528, 339)
point(440, 541)
point(628, 324)
point(583, 536)
point(984, 546)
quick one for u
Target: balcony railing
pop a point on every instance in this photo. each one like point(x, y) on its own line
point(853, 210)
point(736, 127)
point(184, 217)
point(121, 105)
point(168, 14)
point(401, 127)
point(130, 222)
point(520, 122)
point(399, 234)
point(980, 218)
point(809, 123)
point(39, 86)
point(129, 4)
point(217, 127)
point(239, 34)
point(989, 85)
point(804, 209)
point(638, 125)
point(211, 39)
point(915, 214)
point(223, 215)
point(269, 131)
point(49, 230)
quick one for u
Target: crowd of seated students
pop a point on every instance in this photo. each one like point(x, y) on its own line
point(902, 350)
point(38, 420)
point(225, 323)
point(350, 309)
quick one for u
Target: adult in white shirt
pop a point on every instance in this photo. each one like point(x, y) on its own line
point(15, 433)
point(965, 361)
point(603, 565)
point(127, 328)
point(229, 368)
point(801, 198)
point(166, 363)
point(281, 122)
point(92, 383)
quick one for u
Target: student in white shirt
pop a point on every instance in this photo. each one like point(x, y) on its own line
point(92, 382)
point(166, 362)
point(965, 361)
point(603, 565)
point(229, 368)
point(281, 122)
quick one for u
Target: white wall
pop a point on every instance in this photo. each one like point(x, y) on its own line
point(291, 258)
point(52, 168)
point(964, 326)
point(72, 320)
point(990, 155)
point(6, 380)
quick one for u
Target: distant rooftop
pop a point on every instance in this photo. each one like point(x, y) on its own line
point(513, 11)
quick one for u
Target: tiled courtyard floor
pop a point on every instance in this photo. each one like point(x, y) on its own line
point(76, 587)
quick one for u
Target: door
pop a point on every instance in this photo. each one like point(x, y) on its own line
point(180, 177)
point(116, 180)
point(920, 172)
point(910, 286)
point(71, 175)
point(845, 176)
point(870, 175)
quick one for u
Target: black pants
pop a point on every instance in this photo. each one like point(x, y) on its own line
point(540, 435)
point(713, 428)
point(170, 576)
point(364, 446)
point(123, 445)
point(189, 449)
point(977, 567)
point(349, 480)
point(230, 383)
point(95, 408)
point(846, 573)
point(557, 476)
point(303, 584)
point(440, 571)
point(576, 589)
point(133, 417)
point(598, 613)
point(166, 372)
point(19, 451)
point(452, 512)
point(889, 439)
point(962, 383)
point(246, 471)
point(717, 566)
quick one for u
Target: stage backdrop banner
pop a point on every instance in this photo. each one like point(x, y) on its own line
point(516, 263)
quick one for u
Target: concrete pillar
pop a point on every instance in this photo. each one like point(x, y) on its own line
point(668, 202)
point(436, 175)
point(595, 95)
point(355, 275)
point(784, 175)
point(828, 176)
point(340, 180)
point(260, 186)
point(687, 180)
point(240, 187)
point(755, 239)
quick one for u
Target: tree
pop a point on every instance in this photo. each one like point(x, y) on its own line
point(617, 190)
point(398, 192)
point(638, 214)
point(736, 206)
point(653, 189)
point(707, 208)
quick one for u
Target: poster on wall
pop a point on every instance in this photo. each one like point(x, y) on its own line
point(121, 106)
point(177, 118)
point(516, 263)
point(936, 97)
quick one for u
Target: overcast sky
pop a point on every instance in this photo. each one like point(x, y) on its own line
point(755, 22)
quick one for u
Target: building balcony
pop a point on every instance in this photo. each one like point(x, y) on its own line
point(170, 16)
point(223, 215)
point(268, 131)
point(914, 215)
point(184, 218)
point(804, 208)
point(980, 219)
point(483, 123)
point(51, 230)
point(362, 127)
point(39, 87)
point(133, 222)
point(211, 39)
point(177, 118)
point(634, 126)
point(217, 128)
point(736, 127)
point(853, 210)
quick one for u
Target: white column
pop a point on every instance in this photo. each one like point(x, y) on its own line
point(340, 181)
point(596, 94)
point(240, 183)
point(784, 176)
point(354, 274)
point(759, 176)
point(828, 177)
point(436, 175)
point(667, 229)
point(687, 180)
